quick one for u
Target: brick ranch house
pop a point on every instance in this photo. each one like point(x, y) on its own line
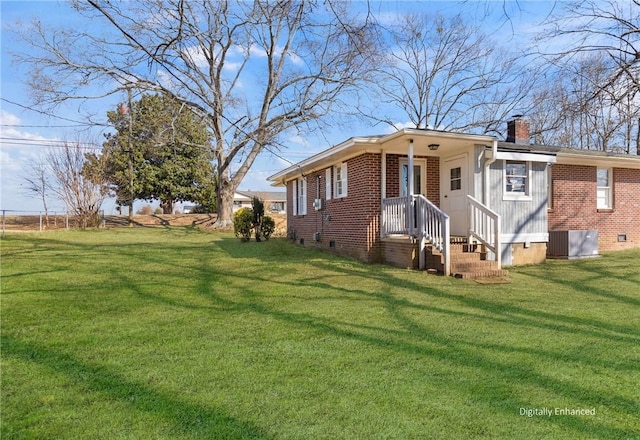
point(417, 197)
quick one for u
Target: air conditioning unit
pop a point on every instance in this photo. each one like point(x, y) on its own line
point(318, 204)
point(572, 244)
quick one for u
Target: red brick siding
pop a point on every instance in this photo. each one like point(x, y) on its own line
point(574, 191)
point(433, 180)
point(351, 222)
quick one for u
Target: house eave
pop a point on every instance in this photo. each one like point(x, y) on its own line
point(343, 151)
point(570, 156)
point(394, 142)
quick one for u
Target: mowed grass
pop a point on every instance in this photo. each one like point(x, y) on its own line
point(177, 333)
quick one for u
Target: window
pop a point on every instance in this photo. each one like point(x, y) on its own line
point(300, 196)
point(604, 199)
point(340, 180)
point(516, 179)
point(327, 182)
point(456, 179)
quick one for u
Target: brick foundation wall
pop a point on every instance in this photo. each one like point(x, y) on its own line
point(574, 205)
point(400, 252)
point(350, 225)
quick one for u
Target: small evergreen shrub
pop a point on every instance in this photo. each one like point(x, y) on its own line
point(243, 223)
point(267, 227)
point(257, 207)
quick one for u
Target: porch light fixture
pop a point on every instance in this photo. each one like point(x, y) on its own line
point(434, 147)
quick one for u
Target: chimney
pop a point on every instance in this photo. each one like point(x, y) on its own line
point(518, 130)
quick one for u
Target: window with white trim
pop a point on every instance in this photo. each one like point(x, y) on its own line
point(327, 182)
point(340, 180)
point(300, 196)
point(604, 190)
point(517, 179)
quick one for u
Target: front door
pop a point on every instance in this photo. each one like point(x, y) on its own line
point(419, 176)
point(453, 197)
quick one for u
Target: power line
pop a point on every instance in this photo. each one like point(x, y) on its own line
point(48, 143)
point(41, 126)
point(42, 112)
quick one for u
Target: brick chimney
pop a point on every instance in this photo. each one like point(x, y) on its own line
point(518, 131)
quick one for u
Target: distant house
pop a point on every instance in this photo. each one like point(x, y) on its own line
point(424, 198)
point(275, 202)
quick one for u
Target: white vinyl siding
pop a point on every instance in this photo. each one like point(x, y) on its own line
point(604, 191)
point(340, 180)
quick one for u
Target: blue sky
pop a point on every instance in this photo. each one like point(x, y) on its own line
point(26, 133)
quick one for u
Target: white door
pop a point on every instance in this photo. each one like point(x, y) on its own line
point(453, 193)
point(419, 173)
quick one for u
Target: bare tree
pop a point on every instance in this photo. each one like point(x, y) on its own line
point(251, 70)
point(37, 182)
point(609, 30)
point(445, 73)
point(574, 111)
point(79, 192)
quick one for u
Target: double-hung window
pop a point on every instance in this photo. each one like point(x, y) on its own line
point(340, 180)
point(517, 179)
point(300, 196)
point(604, 189)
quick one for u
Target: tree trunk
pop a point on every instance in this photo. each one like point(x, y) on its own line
point(226, 191)
point(167, 206)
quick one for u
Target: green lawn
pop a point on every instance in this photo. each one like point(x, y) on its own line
point(176, 333)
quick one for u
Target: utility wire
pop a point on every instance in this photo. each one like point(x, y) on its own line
point(42, 112)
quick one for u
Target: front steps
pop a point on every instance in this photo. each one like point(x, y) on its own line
point(467, 261)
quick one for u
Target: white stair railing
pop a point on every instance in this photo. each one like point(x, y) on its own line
point(432, 226)
point(419, 218)
point(394, 216)
point(484, 226)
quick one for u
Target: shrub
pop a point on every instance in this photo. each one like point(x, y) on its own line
point(243, 223)
point(145, 210)
point(257, 207)
point(267, 227)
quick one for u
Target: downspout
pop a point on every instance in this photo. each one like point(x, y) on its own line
point(487, 164)
point(487, 198)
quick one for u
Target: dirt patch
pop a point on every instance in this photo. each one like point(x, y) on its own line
point(115, 221)
point(37, 223)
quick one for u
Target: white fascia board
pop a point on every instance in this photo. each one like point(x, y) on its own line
point(480, 138)
point(593, 160)
point(527, 157)
point(336, 153)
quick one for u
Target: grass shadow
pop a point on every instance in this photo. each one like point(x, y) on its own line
point(187, 418)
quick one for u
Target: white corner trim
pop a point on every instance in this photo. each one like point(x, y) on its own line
point(535, 237)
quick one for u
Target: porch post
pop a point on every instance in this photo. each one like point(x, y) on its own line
point(383, 175)
point(410, 189)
